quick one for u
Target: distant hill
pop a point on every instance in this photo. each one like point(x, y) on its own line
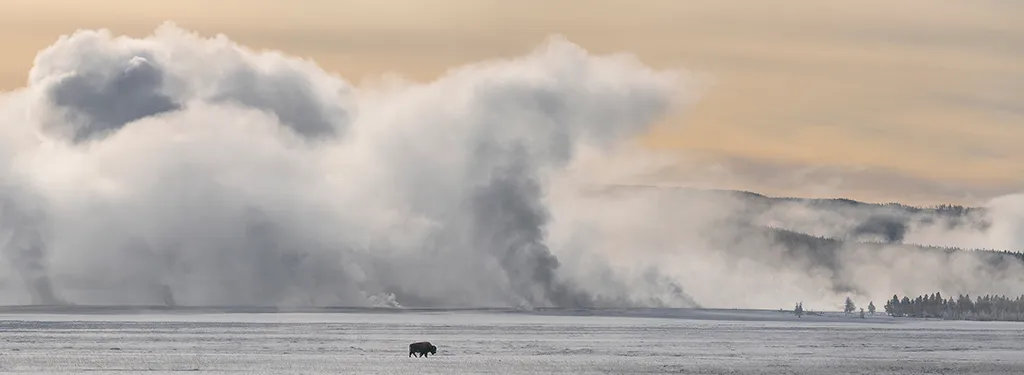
point(765, 201)
point(855, 220)
point(833, 255)
point(825, 250)
point(839, 241)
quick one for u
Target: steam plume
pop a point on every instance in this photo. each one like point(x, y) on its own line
point(183, 170)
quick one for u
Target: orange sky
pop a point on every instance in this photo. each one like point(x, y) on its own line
point(917, 101)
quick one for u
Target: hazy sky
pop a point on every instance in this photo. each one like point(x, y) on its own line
point(912, 100)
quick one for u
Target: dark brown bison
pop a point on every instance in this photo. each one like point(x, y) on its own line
point(422, 348)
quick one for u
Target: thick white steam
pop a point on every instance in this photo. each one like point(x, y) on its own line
point(182, 170)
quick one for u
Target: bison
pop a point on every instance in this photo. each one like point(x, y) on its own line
point(422, 348)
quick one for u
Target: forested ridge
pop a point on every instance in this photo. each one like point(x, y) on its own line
point(877, 232)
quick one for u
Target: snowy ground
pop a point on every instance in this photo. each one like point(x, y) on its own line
point(501, 342)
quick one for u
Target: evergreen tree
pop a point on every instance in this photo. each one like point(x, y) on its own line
point(850, 307)
point(871, 307)
point(799, 310)
point(890, 306)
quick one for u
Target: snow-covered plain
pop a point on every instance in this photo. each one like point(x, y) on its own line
point(499, 342)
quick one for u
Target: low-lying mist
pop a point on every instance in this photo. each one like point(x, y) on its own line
point(182, 170)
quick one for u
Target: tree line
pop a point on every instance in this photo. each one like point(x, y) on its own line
point(935, 306)
point(983, 308)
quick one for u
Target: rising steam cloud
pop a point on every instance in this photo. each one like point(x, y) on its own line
point(182, 170)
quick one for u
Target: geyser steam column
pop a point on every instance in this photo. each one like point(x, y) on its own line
point(23, 248)
point(173, 141)
point(508, 220)
point(527, 122)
